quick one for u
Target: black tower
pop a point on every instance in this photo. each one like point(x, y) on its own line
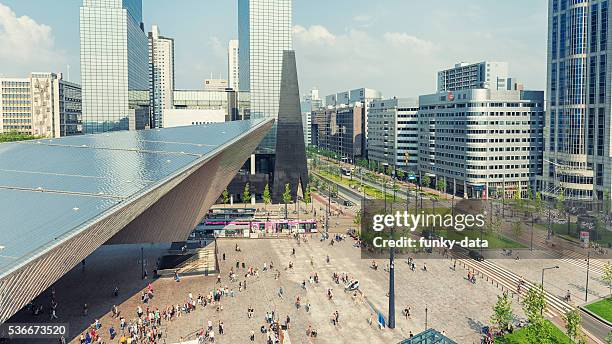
point(290, 161)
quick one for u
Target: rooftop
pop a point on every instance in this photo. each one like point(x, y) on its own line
point(50, 188)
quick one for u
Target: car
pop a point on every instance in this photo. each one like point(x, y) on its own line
point(476, 255)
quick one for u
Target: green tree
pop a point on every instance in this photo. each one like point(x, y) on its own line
point(441, 185)
point(286, 197)
point(267, 199)
point(573, 326)
point(307, 196)
point(539, 204)
point(517, 228)
point(560, 200)
point(534, 304)
point(225, 196)
point(426, 181)
point(502, 312)
point(246, 194)
point(357, 218)
point(607, 276)
point(400, 174)
point(606, 201)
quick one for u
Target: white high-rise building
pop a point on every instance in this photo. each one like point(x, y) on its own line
point(264, 33)
point(114, 66)
point(393, 133)
point(310, 102)
point(233, 65)
point(161, 75)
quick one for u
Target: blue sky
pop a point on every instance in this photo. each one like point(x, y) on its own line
point(396, 46)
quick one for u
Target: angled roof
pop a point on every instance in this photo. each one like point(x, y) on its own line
point(49, 188)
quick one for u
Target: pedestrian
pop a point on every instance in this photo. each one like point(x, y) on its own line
point(218, 279)
point(221, 329)
point(252, 337)
point(53, 315)
point(223, 255)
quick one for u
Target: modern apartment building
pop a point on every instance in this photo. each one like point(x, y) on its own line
point(264, 33)
point(114, 66)
point(486, 74)
point(482, 142)
point(161, 75)
point(393, 133)
point(233, 65)
point(577, 156)
point(42, 104)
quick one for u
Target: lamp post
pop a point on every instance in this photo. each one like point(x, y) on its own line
point(542, 286)
point(391, 285)
point(426, 327)
point(586, 291)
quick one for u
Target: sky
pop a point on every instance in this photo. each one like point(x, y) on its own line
point(395, 46)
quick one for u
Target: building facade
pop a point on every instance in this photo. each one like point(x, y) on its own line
point(264, 33)
point(481, 142)
point(182, 117)
point(486, 74)
point(234, 104)
point(114, 66)
point(215, 84)
point(393, 133)
point(161, 75)
point(577, 133)
point(233, 65)
point(43, 105)
point(340, 130)
point(310, 102)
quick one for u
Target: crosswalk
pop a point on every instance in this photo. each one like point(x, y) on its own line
point(508, 282)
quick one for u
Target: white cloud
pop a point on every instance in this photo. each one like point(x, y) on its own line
point(362, 18)
point(315, 33)
point(402, 39)
point(395, 62)
point(25, 42)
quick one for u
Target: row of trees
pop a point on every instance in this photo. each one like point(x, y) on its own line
point(538, 330)
point(266, 196)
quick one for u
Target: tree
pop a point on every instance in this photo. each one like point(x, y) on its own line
point(246, 194)
point(517, 228)
point(426, 180)
point(286, 197)
point(267, 199)
point(607, 276)
point(539, 204)
point(225, 196)
point(573, 328)
point(534, 304)
point(400, 174)
point(441, 185)
point(606, 201)
point(502, 312)
point(307, 197)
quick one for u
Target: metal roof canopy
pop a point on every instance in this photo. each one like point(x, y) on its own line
point(49, 188)
point(429, 336)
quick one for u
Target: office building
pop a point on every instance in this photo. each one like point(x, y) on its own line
point(393, 133)
point(340, 130)
point(489, 75)
point(233, 65)
point(161, 75)
point(42, 104)
point(482, 142)
point(577, 157)
point(264, 33)
point(114, 66)
point(309, 103)
point(182, 117)
point(215, 84)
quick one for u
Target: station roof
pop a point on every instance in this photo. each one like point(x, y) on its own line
point(49, 188)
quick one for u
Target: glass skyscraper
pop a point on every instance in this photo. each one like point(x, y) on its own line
point(577, 132)
point(264, 32)
point(114, 66)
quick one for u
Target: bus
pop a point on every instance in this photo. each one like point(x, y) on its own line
point(230, 213)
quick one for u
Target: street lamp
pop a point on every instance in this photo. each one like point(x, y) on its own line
point(586, 289)
point(548, 268)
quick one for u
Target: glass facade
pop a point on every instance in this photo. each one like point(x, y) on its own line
point(264, 32)
point(578, 99)
point(114, 66)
